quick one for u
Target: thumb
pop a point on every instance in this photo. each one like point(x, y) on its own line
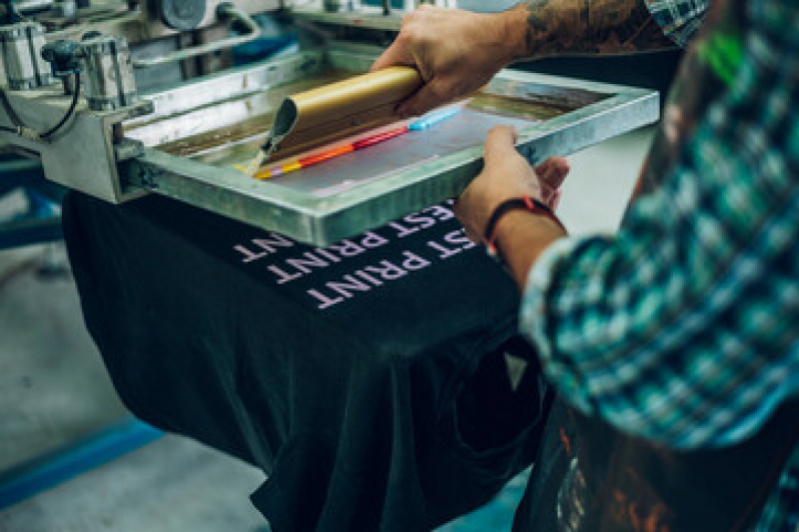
point(499, 144)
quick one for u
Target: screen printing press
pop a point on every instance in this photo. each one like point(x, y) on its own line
point(332, 326)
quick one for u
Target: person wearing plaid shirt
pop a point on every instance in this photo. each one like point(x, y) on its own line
point(683, 327)
point(680, 328)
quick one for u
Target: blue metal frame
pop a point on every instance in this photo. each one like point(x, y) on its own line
point(46, 471)
point(29, 231)
point(42, 224)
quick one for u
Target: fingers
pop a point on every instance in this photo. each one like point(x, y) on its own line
point(554, 201)
point(395, 55)
point(553, 171)
point(551, 174)
point(499, 144)
point(429, 96)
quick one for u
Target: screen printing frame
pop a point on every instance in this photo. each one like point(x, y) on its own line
point(323, 220)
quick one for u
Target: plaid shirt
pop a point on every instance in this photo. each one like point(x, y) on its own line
point(684, 327)
point(679, 19)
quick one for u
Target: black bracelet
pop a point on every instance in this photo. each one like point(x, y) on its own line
point(525, 203)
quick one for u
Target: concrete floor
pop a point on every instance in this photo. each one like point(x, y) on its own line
point(172, 484)
point(54, 389)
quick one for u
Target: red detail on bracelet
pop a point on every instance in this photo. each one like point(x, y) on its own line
point(528, 202)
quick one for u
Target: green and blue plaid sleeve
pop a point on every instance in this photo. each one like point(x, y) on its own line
point(679, 19)
point(682, 328)
point(781, 512)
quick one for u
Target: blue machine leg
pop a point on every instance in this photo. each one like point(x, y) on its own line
point(51, 469)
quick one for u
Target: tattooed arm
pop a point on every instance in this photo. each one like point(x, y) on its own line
point(591, 26)
point(459, 51)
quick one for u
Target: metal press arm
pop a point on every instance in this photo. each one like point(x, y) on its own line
point(223, 11)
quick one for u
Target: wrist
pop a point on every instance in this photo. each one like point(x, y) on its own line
point(522, 237)
point(513, 220)
point(512, 31)
point(505, 212)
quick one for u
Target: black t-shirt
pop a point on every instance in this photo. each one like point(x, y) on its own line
point(366, 378)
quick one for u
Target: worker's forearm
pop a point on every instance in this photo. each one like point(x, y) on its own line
point(552, 27)
point(521, 237)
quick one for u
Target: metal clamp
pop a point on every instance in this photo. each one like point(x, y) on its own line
point(21, 46)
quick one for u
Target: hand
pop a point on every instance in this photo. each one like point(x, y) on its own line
point(456, 52)
point(506, 174)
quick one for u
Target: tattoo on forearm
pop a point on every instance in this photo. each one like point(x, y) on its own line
point(591, 26)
